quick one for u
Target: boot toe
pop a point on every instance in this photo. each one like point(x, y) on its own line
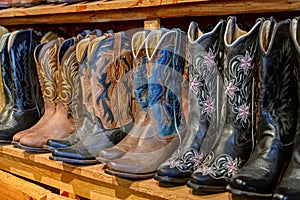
point(74, 153)
point(111, 153)
point(58, 143)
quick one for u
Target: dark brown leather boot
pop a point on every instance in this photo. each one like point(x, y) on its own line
point(46, 62)
point(66, 117)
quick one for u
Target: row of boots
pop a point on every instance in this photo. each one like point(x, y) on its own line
point(126, 102)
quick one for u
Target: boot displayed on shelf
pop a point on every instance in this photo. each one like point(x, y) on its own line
point(205, 51)
point(141, 101)
point(236, 140)
point(3, 31)
point(6, 78)
point(111, 64)
point(67, 114)
point(289, 188)
point(277, 122)
point(166, 61)
point(83, 48)
point(27, 105)
point(46, 62)
point(4, 59)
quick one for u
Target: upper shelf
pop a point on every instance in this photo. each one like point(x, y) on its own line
point(118, 10)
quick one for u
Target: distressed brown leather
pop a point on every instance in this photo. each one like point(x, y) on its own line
point(66, 118)
point(46, 63)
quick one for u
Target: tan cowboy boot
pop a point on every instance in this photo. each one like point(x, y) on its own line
point(69, 103)
point(46, 62)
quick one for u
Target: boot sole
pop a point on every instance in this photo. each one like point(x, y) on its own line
point(72, 161)
point(129, 175)
point(205, 188)
point(49, 148)
point(2, 141)
point(171, 180)
point(15, 143)
point(242, 192)
point(32, 149)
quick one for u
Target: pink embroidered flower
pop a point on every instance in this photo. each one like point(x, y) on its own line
point(194, 83)
point(229, 89)
point(198, 160)
point(208, 106)
point(246, 62)
point(232, 166)
point(243, 112)
point(209, 59)
point(174, 163)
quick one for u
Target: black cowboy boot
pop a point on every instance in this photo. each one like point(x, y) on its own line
point(278, 113)
point(235, 143)
point(6, 79)
point(110, 62)
point(27, 98)
point(289, 186)
point(166, 57)
point(205, 51)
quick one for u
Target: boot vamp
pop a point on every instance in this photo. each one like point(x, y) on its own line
point(145, 158)
point(90, 146)
point(18, 121)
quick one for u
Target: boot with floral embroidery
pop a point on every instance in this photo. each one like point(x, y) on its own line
point(205, 51)
point(235, 143)
point(278, 113)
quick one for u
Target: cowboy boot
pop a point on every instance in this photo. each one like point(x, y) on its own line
point(6, 78)
point(141, 100)
point(67, 114)
point(27, 101)
point(235, 143)
point(46, 63)
point(111, 63)
point(3, 31)
point(166, 57)
point(83, 50)
point(205, 50)
point(288, 188)
point(278, 113)
point(3, 45)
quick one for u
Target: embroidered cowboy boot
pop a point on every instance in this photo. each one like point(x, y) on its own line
point(2, 94)
point(278, 112)
point(83, 47)
point(205, 51)
point(5, 77)
point(67, 114)
point(111, 64)
point(46, 62)
point(235, 143)
point(27, 99)
point(166, 57)
point(288, 188)
point(141, 100)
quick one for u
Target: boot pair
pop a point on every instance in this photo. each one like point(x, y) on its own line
point(204, 104)
point(105, 71)
point(58, 73)
point(24, 105)
point(279, 117)
point(159, 60)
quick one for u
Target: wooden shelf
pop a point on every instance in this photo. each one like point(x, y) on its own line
point(125, 10)
point(89, 181)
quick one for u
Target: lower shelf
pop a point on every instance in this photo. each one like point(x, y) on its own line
point(89, 181)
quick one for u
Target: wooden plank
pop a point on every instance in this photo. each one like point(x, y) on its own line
point(52, 196)
point(12, 187)
point(90, 181)
point(138, 10)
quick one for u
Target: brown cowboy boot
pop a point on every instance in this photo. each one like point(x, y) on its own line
point(46, 62)
point(67, 116)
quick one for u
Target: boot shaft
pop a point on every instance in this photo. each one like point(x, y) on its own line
point(26, 88)
point(278, 80)
point(111, 63)
point(68, 81)
point(166, 60)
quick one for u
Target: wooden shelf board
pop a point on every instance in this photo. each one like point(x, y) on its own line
point(90, 181)
point(120, 10)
